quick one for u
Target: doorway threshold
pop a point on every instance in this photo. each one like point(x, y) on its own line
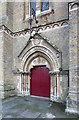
point(46, 98)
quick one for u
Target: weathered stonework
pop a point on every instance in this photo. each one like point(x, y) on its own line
point(55, 45)
point(73, 99)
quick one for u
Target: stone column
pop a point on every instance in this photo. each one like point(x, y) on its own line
point(25, 83)
point(28, 84)
point(73, 98)
point(51, 82)
point(57, 86)
point(52, 74)
point(20, 82)
point(18, 75)
point(51, 92)
point(61, 86)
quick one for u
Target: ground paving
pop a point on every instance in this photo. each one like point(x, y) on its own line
point(31, 107)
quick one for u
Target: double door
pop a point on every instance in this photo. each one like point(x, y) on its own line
point(40, 82)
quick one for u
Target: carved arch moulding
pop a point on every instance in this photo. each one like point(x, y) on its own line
point(39, 52)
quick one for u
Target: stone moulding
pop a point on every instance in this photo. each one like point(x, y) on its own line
point(39, 50)
point(38, 53)
point(40, 28)
point(74, 5)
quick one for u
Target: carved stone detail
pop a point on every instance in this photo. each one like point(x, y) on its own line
point(39, 28)
point(39, 61)
point(36, 41)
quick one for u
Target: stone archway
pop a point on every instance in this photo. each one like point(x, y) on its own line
point(36, 54)
point(43, 51)
point(37, 59)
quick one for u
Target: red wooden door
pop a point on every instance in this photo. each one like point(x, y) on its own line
point(40, 82)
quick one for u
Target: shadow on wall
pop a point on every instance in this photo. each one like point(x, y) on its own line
point(63, 99)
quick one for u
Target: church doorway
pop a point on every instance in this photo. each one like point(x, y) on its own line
point(40, 81)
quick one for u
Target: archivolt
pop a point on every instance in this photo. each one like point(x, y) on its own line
point(39, 51)
point(35, 55)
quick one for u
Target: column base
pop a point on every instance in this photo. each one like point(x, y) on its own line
point(54, 98)
point(23, 93)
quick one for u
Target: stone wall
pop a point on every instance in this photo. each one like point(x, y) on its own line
point(73, 99)
point(21, 9)
point(9, 83)
point(59, 36)
point(1, 67)
point(54, 37)
point(63, 36)
point(3, 12)
point(10, 13)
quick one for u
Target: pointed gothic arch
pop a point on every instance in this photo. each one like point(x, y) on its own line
point(38, 53)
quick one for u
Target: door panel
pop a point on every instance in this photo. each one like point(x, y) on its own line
point(40, 82)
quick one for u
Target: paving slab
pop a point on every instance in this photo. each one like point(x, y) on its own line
point(47, 115)
point(31, 107)
point(8, 116)
point(9, 99)
point(7, 107)
point(30, 114)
